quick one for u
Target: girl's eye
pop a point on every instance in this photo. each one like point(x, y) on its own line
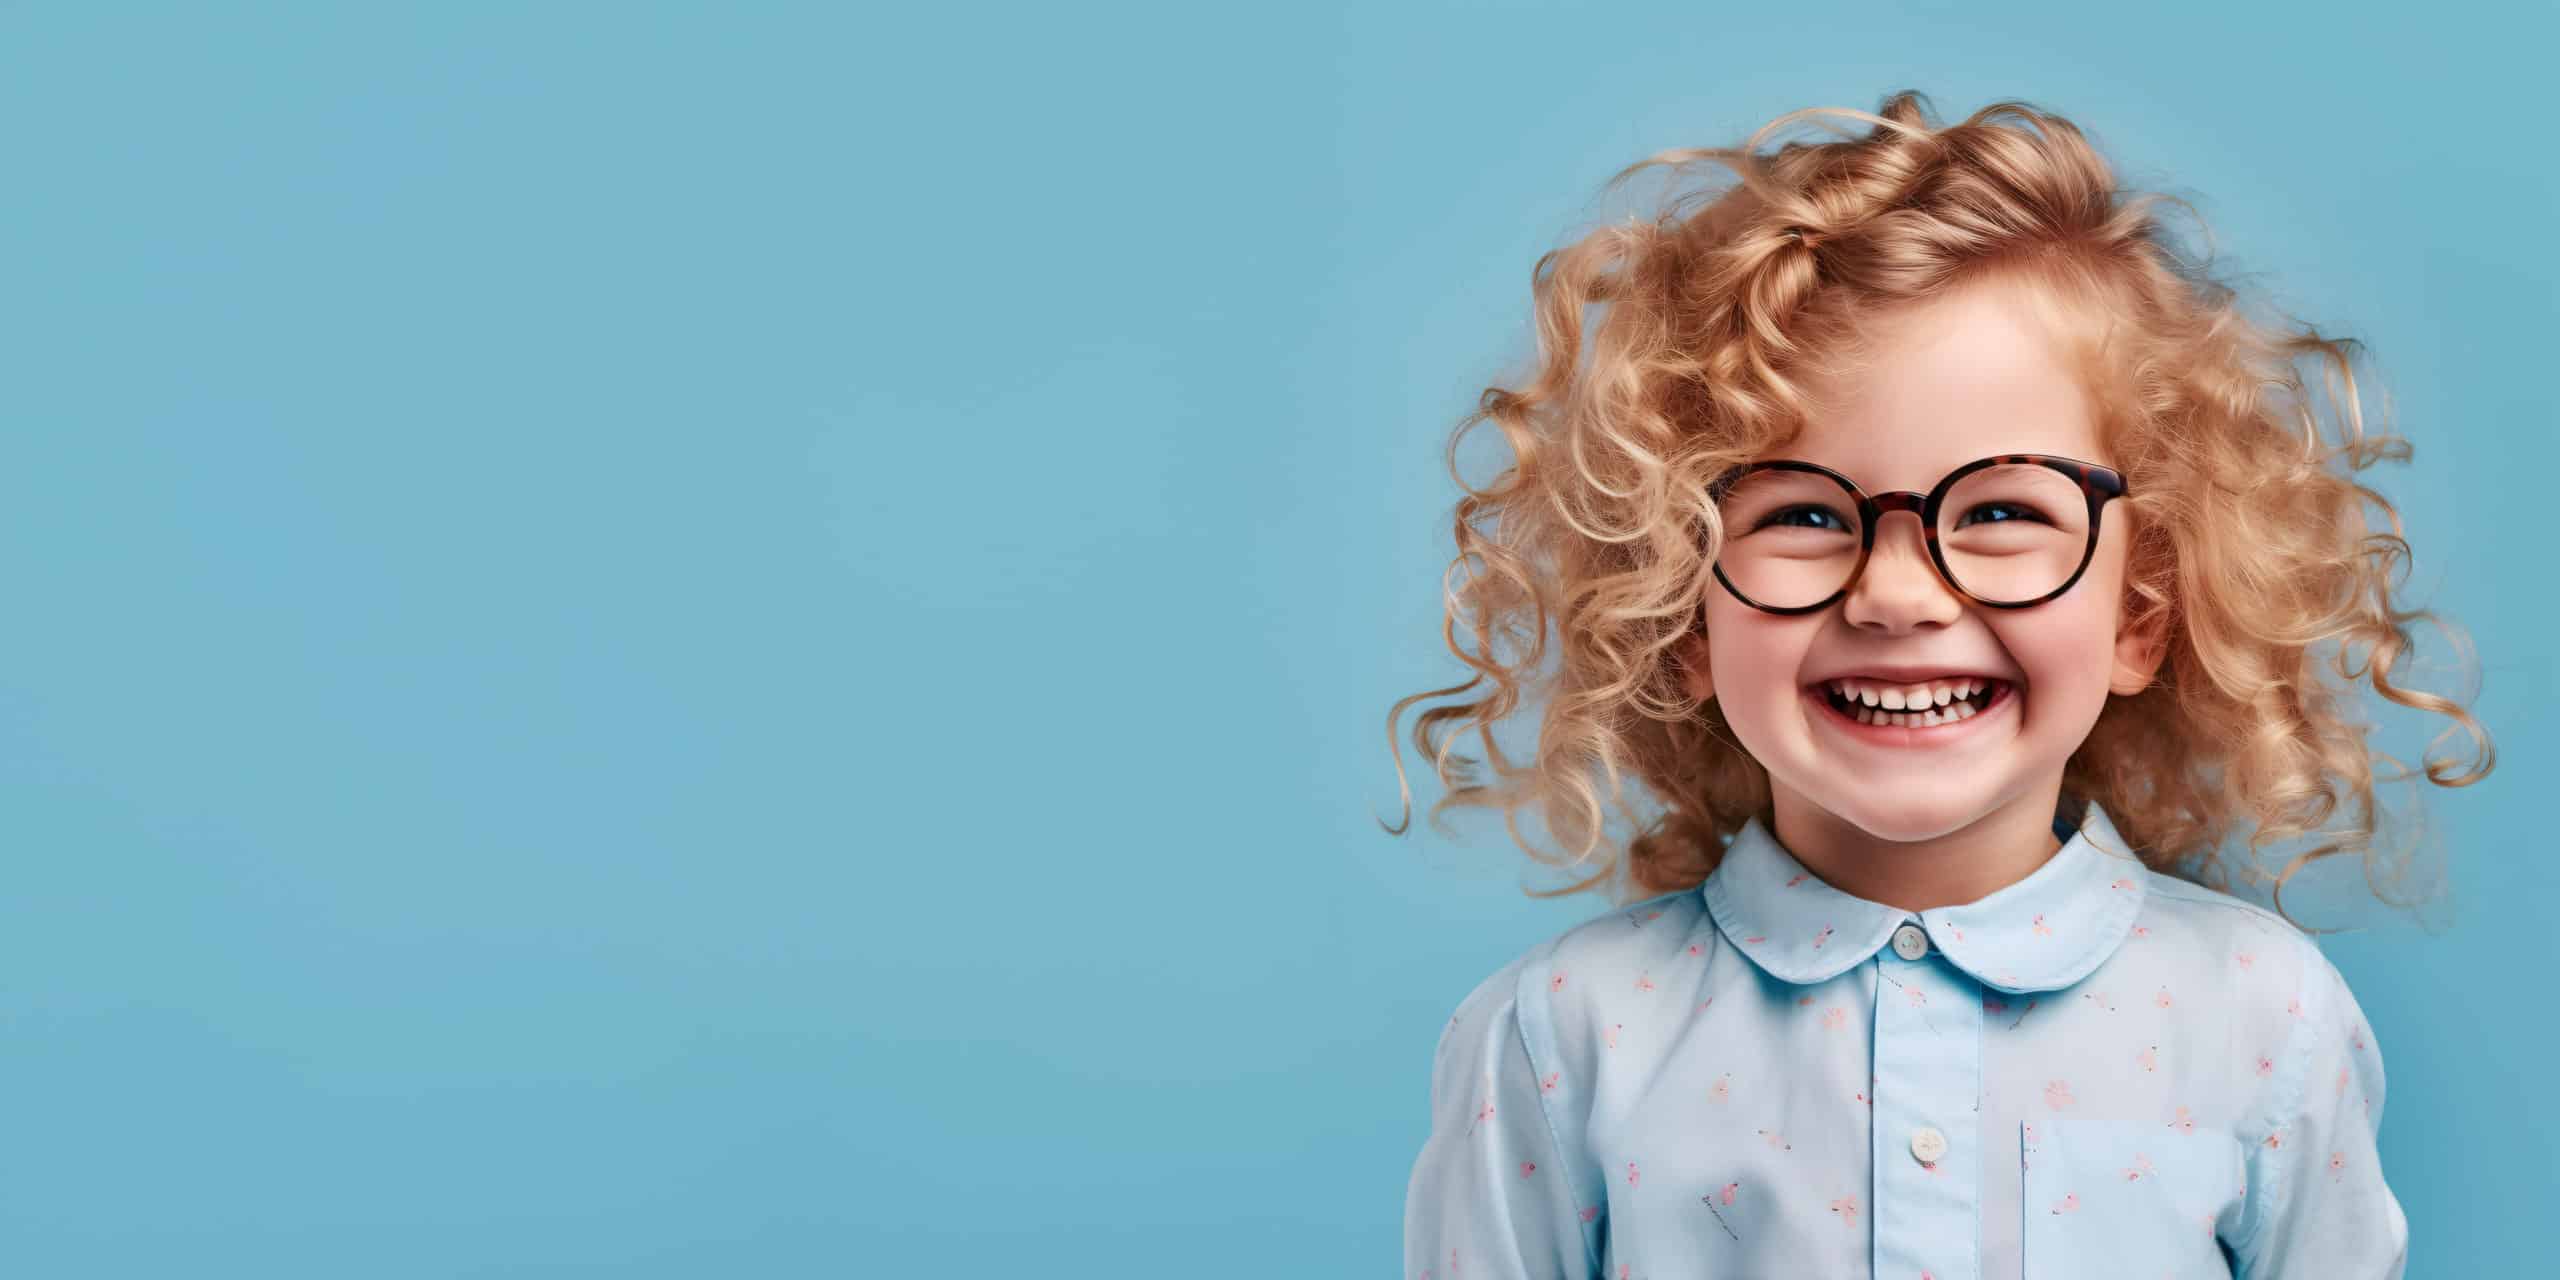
point(2019, 512)
point(1784, 516)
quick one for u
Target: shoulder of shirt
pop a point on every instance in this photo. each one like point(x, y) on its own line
point(1628, 942)
point(2307, 974)
point(2194, 917)
point(1623, 939)
point(2185, 901)
point(1618, 947)
point(2199, 913)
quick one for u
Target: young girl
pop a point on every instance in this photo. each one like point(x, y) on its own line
point(1952, 562)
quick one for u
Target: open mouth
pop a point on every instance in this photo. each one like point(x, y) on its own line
point(1928, 704)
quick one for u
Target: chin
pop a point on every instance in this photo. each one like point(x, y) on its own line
point(1926, 813)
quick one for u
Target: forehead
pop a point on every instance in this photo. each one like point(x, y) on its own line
point(1960, 377)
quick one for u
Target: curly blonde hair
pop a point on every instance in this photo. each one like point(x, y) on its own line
point(2252, 547)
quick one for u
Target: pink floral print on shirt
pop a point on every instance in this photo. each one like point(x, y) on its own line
point(1724, 1197)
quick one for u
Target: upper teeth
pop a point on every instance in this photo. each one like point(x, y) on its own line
point(1896, 697)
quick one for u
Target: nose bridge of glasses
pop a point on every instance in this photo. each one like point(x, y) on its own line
point(1915, 503)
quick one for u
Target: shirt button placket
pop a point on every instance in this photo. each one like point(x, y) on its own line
point(1927, 1134)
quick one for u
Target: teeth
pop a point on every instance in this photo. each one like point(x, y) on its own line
point(1911, 706)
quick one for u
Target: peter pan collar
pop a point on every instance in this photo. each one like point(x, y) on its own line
point(2046, 931)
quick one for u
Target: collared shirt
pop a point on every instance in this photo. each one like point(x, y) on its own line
point(2099, 1070)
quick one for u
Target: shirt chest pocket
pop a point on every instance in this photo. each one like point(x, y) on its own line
point(2125, 1198)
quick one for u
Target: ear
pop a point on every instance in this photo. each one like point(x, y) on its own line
point(1696, 675)
point(2141, 644)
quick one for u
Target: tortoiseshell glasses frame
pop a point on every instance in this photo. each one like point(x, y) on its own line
point(2097, 484)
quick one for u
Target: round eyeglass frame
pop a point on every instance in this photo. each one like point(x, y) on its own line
point(2098, 484)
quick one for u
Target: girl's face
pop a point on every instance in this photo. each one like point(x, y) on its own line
point(1955, 379)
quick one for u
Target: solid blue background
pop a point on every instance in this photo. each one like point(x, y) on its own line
point(663, 640)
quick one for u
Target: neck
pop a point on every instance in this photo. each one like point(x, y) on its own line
point(1965, 865)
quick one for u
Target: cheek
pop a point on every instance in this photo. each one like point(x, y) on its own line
point(1740, 641)
point(2067, 656)
point(1756, 657)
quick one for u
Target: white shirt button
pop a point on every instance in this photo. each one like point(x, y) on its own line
point(1910, 942)
point(1928, 1144)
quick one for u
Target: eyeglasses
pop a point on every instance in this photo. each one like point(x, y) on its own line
point(2007, 531)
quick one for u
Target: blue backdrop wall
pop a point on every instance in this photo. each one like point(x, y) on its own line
point(682, 639)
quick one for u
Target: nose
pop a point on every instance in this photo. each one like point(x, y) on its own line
point(1900, 589)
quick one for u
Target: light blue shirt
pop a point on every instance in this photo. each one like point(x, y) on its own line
point(2096, 1071)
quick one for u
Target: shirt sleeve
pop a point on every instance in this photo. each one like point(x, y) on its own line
point(1489, 1199)
point(2320, 1207)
